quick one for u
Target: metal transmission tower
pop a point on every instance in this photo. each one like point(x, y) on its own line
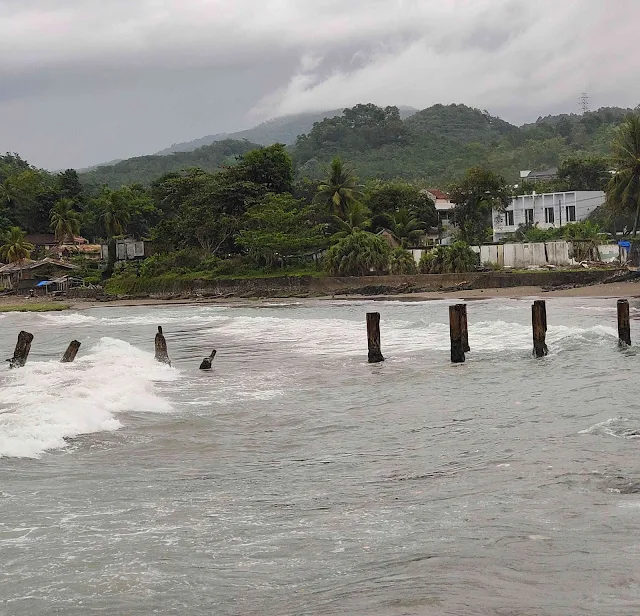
point(584, 103)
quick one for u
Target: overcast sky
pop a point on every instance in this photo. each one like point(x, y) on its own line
point(87, 81)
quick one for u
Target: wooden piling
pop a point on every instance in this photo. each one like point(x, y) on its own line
point(373, 337)
point(624, 325)
point(539, 323)
point(465, 329)
point(71, 352)
point(21, 352)
point(456, 332)
point(206, 362)
point(162, 355)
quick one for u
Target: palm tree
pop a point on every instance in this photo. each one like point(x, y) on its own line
point(339, 190)
point(15, 248)
point(116, 214)
point(356, 219)
point(405, 226)
point(623, 190)
point(9, 194)
point(65, 221)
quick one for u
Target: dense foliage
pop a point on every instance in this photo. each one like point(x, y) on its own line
point(623, 190)
point(476, 196)
point(247, 211)
point(457, 258)
point(436, 145)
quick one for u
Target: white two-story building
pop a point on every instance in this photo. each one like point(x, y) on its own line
point(547, 211)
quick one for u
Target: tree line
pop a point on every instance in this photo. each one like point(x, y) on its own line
point(255, 215)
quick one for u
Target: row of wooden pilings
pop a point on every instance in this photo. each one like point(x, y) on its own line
point(23, 347)
point(459, 331)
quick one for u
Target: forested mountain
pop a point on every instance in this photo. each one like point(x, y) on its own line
point(438, 144)
point(145, 169)
point(284, 129)
point(435, 145)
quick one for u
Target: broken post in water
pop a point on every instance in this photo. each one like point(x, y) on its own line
point(465, 329)
point(373, 337)
point(624, 325)
point(162, 354)
point(206, 362)
point(457, 328)
point(539, 322)
point(71, 352)
point(23, 346)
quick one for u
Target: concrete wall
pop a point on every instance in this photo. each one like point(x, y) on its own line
point(536, 254)
point(287, 286)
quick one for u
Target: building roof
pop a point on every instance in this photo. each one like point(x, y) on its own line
point(438, 194)
point(547, 174)
point(28, 264)
point(41, 239)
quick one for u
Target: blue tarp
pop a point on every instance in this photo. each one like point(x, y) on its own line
point(44, 283)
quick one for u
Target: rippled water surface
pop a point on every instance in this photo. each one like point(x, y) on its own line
point(295, 478)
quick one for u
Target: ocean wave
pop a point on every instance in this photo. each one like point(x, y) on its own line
point(618, 427)
point(67, 318)
point(44, 403)
point(348, 337)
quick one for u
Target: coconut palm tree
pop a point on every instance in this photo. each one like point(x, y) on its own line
point(116, 214)
point(405, 226)
point(65, 221)
point(623, 190)
point(14, 247)
point(357, 218)
point(9, 194)
point(340, 189)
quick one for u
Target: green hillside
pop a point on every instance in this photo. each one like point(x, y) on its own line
point(284, 129)
point(435, 145)
point(145, 169)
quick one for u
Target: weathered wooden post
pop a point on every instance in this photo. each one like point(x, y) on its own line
point(465, 329)
point(373, 337)
point(624, 325)
point(539, 322)
point(71, 352)
point(162, 354)
point(21, 352)
point(206, 362)
point(456, 332)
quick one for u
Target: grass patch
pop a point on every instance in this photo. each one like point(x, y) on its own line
point(172, 282)
point(37, 307)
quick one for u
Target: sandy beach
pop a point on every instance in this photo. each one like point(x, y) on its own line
point(613, 290)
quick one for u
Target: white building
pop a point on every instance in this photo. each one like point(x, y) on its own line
point(547, 211)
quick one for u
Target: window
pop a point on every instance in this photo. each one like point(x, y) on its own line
point(549, 216)
point(508, 218)
point(528, 216)
point(571, 213)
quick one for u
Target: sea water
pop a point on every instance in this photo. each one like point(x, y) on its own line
point(295, 478)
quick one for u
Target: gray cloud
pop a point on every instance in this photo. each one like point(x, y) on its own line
point(84, 81)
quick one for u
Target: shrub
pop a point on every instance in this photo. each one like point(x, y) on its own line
point(459, 258)
point(357, 255)
point(456, 258)
point(181, 261)
point(401, 262)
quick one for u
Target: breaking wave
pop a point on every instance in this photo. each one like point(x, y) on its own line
point(348, 337)
point(44, 403)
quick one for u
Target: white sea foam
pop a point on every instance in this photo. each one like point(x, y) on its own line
point(345, 337)
point(67, 318)
point(44, 402)
point(619, 427)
